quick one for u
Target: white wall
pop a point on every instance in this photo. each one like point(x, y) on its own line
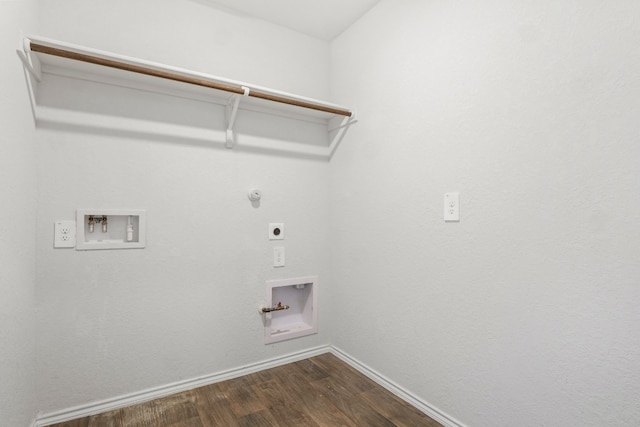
point(17, 224)
point(526, 311)
point(193, 35)
point(115, 322)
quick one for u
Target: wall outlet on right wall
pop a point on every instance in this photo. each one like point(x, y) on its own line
point(452, 207)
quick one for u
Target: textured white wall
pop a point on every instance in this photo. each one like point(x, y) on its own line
point(114, 322)
point(521, 314)
point(17, 224)
point(525, 312)
point(189, 34)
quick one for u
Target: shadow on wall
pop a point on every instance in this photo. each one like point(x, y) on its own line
point(76, 105)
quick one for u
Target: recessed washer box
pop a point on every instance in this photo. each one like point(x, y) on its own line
point(110, 229)
point(301, 319)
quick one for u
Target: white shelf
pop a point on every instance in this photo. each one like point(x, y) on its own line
point(45, 56)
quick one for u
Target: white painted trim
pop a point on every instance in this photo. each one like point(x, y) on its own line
point(394, 388)
point(94, 408)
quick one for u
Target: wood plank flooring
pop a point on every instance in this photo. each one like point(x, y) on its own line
point(320, 391)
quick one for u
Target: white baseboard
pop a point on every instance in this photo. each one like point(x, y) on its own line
point(394, 388)
point(178, 387)
point(106, 405)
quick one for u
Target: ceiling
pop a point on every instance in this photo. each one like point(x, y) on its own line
point(324, 19)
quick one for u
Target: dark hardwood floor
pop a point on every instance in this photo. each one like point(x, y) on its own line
point(321, 391)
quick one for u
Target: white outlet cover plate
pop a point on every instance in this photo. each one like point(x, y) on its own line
point(276, 231)
point(278, 256)
point(452, 207)
point(64, 234)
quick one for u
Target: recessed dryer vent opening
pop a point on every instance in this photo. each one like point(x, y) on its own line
point(291, 310)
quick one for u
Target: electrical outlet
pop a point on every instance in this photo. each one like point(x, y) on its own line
point(64, 234)
point(452, 207)
point(278, 256)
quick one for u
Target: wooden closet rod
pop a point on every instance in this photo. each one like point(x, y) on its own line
point(35, 47)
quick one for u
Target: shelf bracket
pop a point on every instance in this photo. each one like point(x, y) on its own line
point(230, 138)
point(32, 71)
point(31, 63)
point(339, 132)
